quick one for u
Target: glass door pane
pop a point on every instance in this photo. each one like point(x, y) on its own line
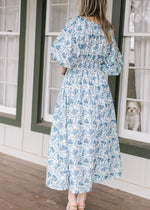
point(13, 47)
point(139, 18)
point(58, 16)
point(2, 3)
point(9, 15)
point(1, 93)
point(12, 19)
point(2, 18)
point(2, 46)
point(56, 78)
point(12, 72)
point(2, 73)
point(12, 3)
point(53, 94)
point(73, 11)
point(11, 95)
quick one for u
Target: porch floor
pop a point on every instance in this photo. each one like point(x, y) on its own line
point(22, 187)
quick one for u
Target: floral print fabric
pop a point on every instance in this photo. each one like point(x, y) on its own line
point(84, 147)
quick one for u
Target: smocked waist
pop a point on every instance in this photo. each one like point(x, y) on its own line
point(89, 65)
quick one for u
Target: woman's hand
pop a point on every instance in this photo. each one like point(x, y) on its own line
point(63, 70)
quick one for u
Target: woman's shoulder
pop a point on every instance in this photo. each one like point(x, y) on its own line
point(72, 21)
point(80, 26)
point(83, 24)
point(74, 25)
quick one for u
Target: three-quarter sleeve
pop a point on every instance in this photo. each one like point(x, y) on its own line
point(113, 62)
point(64, 49)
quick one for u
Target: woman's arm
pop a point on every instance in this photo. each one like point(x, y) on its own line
point(63, 70)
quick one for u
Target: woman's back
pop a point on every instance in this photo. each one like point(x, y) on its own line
point(82, 43)
point(91, 43)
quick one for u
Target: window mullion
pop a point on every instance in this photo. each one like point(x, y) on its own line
point(47, 18)
point(19, 16)
point(138, 68)
point(52, 34)
point(137, 34)
point(127, 9)
point(4, 15)
point(68, 9)
point(5, 74)
point(132, 99)
point(9, 33)
point(124, 84)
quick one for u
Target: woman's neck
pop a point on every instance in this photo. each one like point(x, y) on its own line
point(93, 19)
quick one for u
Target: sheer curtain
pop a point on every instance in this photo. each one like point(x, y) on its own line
point(9, 52)
point(141, 20)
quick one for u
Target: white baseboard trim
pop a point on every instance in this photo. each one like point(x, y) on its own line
point(117, 183)
point(23, 155)
point(134, 189)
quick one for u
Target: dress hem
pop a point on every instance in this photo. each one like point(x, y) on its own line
point(98, 182)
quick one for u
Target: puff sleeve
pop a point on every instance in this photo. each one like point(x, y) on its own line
point(64, 49)
point(113, 62)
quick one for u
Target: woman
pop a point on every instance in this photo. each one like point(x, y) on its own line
point(84, 147)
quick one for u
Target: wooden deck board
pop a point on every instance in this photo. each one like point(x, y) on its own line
point(22, 187)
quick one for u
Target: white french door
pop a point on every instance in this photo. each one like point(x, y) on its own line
point(9, 53)
point(135, 77)
point(58, 12)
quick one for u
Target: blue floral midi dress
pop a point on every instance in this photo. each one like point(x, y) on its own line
point(84, 147)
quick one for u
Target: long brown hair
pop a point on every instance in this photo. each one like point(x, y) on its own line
point(97, 9)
